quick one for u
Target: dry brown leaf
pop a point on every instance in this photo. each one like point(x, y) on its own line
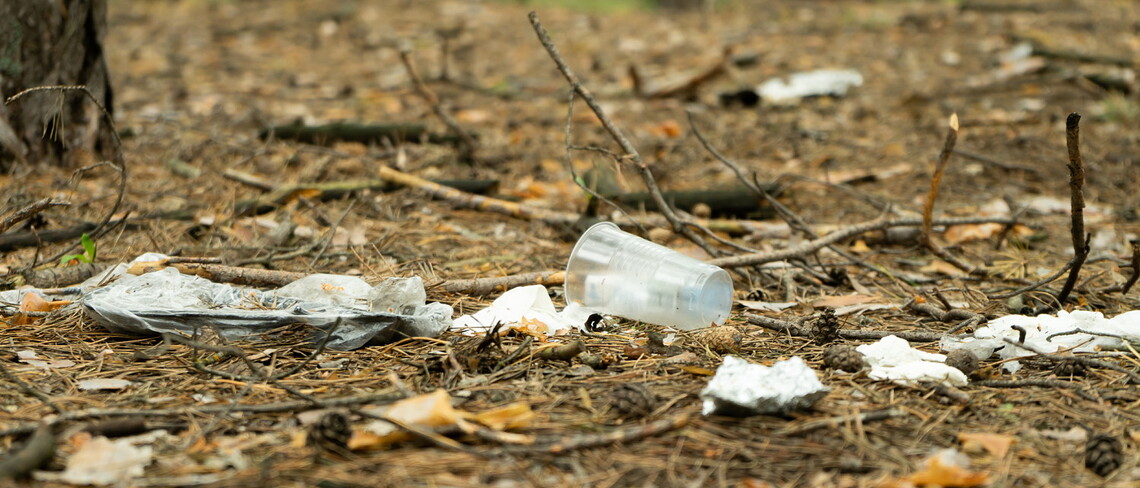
point(429, 410)
point(937, 473)
point(941, 267)
point(995, 444)
point(513, 416)
point(973, 232)
point(697, 370)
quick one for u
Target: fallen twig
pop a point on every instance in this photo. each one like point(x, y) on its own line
point(1042, 382)
point(1077, 213)
point(487, 286)
point(28, 211)
point(221, 273)
point(1135, 268)
point(928, 208)
point(618, 136)
point(288, 406)
point(798, 331)
point(119, 162)
point(947, 315)
point(362, 133)
point(624, 435)
point(38, 450)
point(468, 143)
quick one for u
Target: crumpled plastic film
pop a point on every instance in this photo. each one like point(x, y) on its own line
point(741, 388)
point(168, 301)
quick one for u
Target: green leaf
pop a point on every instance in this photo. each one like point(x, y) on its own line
point(65, 260)
point(88, 247)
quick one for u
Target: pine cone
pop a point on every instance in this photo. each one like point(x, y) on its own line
point(824, 327)
point(844, 358)
point(964, 360)
point(1103, 454)
point(633, 400)
point(721, 340)
point(1065, 369)
point(330, 432)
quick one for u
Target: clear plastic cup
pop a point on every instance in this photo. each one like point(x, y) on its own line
point(617, 273)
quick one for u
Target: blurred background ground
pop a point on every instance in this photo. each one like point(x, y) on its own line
point(196, 80)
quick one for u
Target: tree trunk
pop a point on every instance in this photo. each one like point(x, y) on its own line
point(53, 42)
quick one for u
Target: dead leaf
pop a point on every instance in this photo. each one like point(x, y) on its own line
point(430, 410)
point(697, 370)
point(995, 444)
point(942, 469)
point(941, 267)
point(513, 416)
point(669, 129)
point(973, 232)
point(34, 302)
point(472, 116)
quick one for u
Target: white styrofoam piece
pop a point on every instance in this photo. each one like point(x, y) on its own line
point(892, 359)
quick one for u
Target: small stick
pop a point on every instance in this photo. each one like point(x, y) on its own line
point(795, 330)
point(561, 352)
point(469, 143)
point(38, 450)
point(222, 274)
point(1076, 186)
point(618, 136)
point(120, 162)
point(1042, 382)
point(29, 211)
point(596, 197)
point(622, 435)
point(1135, 268)
point(487, 286)
point(950, 314)
point(383, 398)
point(924, 236)
point(936, 180)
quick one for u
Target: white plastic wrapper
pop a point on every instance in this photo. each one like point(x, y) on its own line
point(1078, 331)
point(824, 82)
point(892, 359)
point(741, 388)
point(168, 301)
point(527, 306)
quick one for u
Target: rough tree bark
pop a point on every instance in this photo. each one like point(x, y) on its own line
point(53, 42)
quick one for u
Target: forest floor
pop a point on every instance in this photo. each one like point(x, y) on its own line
point(197, 81)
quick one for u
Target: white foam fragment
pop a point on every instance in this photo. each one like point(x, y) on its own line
point(1077, 331)
point(824, 82)
point(892, 359)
